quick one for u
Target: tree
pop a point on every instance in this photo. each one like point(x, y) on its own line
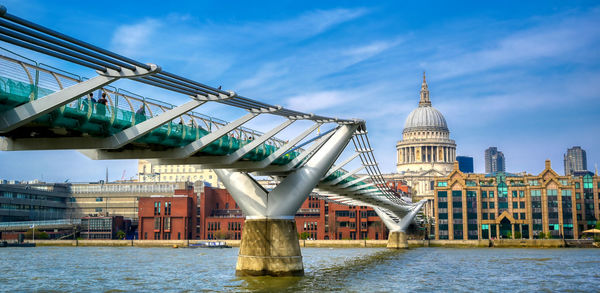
point(120, 234)
point(304, 235)
point(518, 235)
point(38, 234)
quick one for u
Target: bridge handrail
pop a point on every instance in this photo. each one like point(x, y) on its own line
point(210, 122)
point(40, 223)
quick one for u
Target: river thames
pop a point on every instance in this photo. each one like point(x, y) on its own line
point(127, 269)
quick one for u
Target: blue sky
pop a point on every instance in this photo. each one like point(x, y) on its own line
point(523, 76)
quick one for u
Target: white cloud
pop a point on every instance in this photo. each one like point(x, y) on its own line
point(318, 101)
point(550, 40)
point(133, 39)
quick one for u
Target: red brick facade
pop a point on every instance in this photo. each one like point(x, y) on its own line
point(213, 214)
point(164, 218)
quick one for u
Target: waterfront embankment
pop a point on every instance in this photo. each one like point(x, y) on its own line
point(503, 243)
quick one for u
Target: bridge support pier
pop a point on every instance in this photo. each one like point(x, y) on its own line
point(270, 240)
point(269, 248)
point(397, 240)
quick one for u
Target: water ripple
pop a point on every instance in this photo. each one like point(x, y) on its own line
point(127, 269)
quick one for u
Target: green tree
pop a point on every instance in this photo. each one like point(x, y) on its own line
point(518, 235)
point(120, 234)
point(304, 235)
point(38, 234)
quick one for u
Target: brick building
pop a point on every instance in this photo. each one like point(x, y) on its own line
point(164, 218)
point(213, 214)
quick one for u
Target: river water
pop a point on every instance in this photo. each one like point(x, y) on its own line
point(128, 269)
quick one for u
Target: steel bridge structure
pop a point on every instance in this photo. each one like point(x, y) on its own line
point(46, 108)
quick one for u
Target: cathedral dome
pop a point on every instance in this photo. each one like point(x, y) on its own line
point(425, 117)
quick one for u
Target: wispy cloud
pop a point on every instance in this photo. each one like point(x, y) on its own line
point(135, 39)
point(558, 38)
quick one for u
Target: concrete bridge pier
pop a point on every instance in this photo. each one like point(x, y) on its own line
point(397, 240)
point(269, 237)
point(269, 247)
point(397, 224)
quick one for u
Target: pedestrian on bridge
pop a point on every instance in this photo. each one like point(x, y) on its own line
point(101, 107)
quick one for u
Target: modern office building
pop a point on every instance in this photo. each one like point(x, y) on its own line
point(494, 160)
point(465, 164)
point(103, 227)
point(575, 160)
point(33, 202)
point(148, 172)
point(485, 206)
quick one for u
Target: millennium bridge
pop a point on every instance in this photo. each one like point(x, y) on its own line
point(46, 108)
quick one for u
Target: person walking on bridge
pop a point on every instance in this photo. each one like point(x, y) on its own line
point(101, 107)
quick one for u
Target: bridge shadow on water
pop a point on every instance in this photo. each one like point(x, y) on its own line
point(328, 277)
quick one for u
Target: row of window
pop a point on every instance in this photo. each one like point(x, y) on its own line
point(587, 183)
point(234, 226)
point(9, 194)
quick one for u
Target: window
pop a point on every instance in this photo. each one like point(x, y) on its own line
point(565, 192)
point(522, 216)
point(167, 223)
point(577, 195)
point(483, 194)
point(536, 192)
point(587, 181)
point(515, 205)
point(516, 216)
point(470, 183)
point(564, 182)
point(491, 204)
point(471, 193)
point(534, 183)
point(157, 223)
point(484, 205)
point(98, 210)
point(492, 216)
point(98, 198)
point(522, 204)
point(441, 194)
point(521, 193)
point(502, 190)
point(577, 185)
point(491, 194)
point(552, 192)
point(514, 193)
point(442, 184)
point(484, 216)
point(578, 206)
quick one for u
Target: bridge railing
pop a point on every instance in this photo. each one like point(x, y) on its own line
point(39, 224)
point(43, 79)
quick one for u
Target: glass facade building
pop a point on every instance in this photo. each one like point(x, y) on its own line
point(33, 202)
point(465, 164)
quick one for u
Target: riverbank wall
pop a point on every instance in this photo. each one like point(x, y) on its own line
point(503, 243)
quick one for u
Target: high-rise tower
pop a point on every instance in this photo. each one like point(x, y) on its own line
point(494, 160)
point(575, 160)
